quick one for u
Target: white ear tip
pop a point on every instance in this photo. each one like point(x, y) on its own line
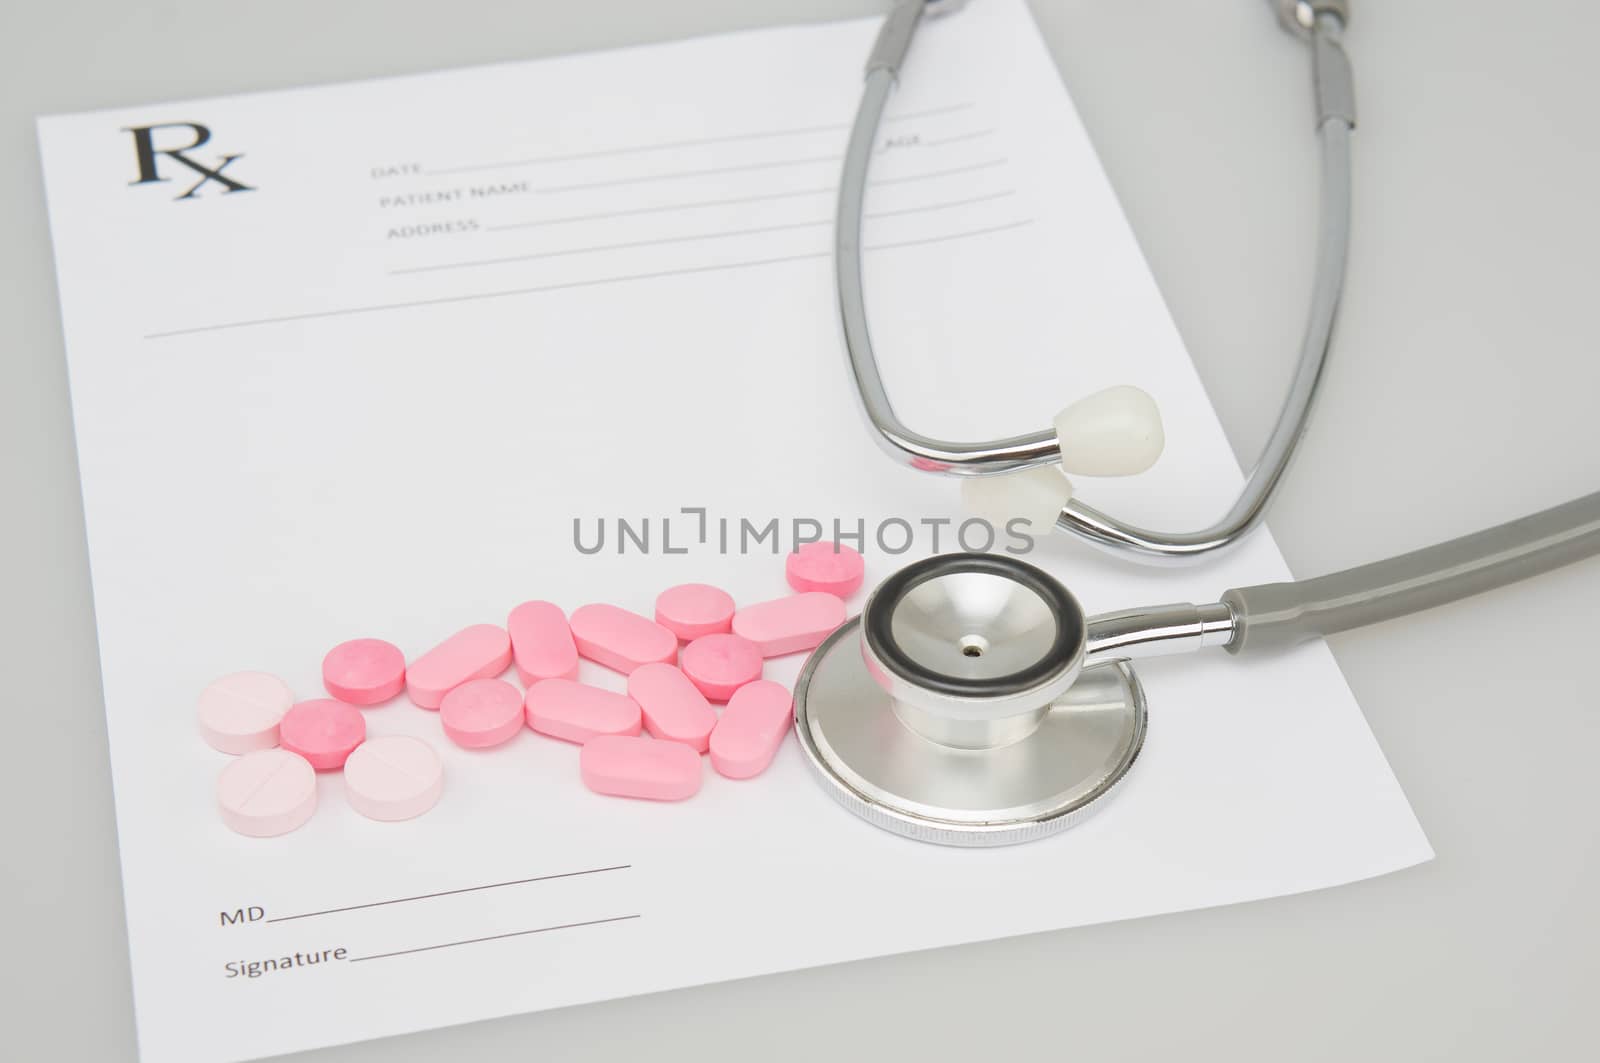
point(1115, 432)
point(1035, 495)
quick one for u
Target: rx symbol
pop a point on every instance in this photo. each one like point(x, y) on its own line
point(149, 157)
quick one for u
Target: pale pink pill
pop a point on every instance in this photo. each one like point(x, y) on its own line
point(393, 778)
point(831, 567)
point(575, 712)
point(639, 767)
point(720, 664)
point(691, 610)
point(673, 708)
point(790, 625)
point(322, 731)
point(475, 652)
point(240, 712)
point(621, 640)
point(364, 671)
point(541, 643)
point(266, 793)
point(481, 713)
point(751, 729)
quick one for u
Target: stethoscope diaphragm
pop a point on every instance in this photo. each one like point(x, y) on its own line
point(957, 708)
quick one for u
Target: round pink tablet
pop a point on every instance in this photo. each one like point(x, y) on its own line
point(240, 712)
point(619, 639)
point(364, 671)
point(639, 767)
point(393, 778)
point(266, 793)
point(691, 610)
point(576, 712)
point(323, 731)
point(673, 708)
point(751, 729)
point(790, 625)
point(481, 713)
point(831, 567)
point(475, 652)
point(720, 664)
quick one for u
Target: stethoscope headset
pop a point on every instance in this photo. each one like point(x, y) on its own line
point(973, 702)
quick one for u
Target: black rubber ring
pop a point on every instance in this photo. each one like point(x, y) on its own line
point(1068, 614)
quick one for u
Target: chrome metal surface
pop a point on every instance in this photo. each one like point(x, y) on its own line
point(1083, 747)
point(977, 624)
point(1330, 69)
point(894, 37)
point(1336, 109)
point(972, 649)
point(1248, 510)
point(1157, 630)
point(1299, 16)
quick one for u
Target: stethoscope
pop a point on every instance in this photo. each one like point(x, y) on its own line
point(973, 702)
point(1117, 432)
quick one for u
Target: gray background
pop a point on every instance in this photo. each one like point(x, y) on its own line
point(1462, 393)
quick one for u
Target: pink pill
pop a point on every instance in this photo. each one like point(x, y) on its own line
point(240, 712)
point(266, 793)
point(691, 610)
point(830, 567)
point(364, 671)
point(575, 712)
point(323, 731)
point(720, 664)
point(673, 708)
point(475, 652)
point(790, 625)
point(751, 729)
point(393, 778)
point(639, 767)
point(541, 643)
point(621, 640)
point(481, 713)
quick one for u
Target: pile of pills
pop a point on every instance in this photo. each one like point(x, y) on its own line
point(700, 650)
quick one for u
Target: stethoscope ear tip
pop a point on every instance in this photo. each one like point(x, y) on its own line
point(1115, 432)
point(1034, 496)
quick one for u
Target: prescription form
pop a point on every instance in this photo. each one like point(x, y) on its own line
point(385, 359)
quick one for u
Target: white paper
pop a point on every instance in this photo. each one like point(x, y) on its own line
point(300, 423)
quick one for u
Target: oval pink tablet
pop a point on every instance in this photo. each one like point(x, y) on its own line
point(790, 625)
point(639, 767)
point(751, 729)
point(575, 712)
point(673, 708)
point(541, 643)
point(691, 610)
point(621, 640)
point(364, 671)
point(393, 778)
point(240, 712)
point(323, 731)
point(720, 664)
point(481, 713)
point(831, 567)
point(267, 792)
point(475, 652)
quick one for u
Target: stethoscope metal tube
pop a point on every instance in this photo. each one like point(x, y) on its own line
point(1322, 22)
point(973, 702)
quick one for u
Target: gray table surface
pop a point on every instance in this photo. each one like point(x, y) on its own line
point(1463, 393)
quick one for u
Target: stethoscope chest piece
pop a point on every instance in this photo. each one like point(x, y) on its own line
point(957, 708)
